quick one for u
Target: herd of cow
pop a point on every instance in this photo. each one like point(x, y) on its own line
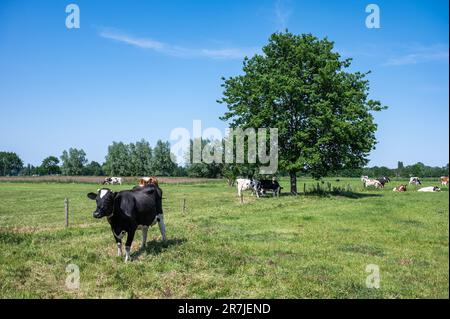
point(141, 207)
point(380, 182)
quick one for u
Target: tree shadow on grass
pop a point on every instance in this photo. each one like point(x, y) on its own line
point(156, 247)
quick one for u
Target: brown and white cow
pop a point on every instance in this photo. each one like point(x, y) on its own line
point(400, 188)
point(144, 181)
point(444, 180)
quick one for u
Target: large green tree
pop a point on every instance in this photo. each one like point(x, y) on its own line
point(73, 161)
point(301, 86)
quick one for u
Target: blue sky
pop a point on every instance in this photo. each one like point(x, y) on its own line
point(138, 69)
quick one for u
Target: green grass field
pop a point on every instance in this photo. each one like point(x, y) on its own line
point(313, 246)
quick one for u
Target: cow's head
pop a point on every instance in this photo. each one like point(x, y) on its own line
point(105, 200)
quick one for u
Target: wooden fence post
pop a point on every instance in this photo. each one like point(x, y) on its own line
point(184, 205)
point(66, 210)
point(304, 188)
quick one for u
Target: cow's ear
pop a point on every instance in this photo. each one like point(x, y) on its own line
point(92, 195)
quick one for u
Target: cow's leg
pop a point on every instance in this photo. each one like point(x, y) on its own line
point(144, 236)
point(162, 226)
point(119, 246)
point(130, 238)
point(118, 239)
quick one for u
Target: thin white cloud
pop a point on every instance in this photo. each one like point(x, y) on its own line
point(175, 50)
point(282, 14)
point(420, 54)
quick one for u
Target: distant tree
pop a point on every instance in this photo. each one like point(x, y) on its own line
point(417, 169)
point(201, 169)
point(10, 164)
point(26, 170)
point(73, 161)
point(162, 164)
point(180, 171)
point(400, 168)
point(302, 87)
point(93, 169)
point(118, 160)
point(140, 159)
point(50, 166)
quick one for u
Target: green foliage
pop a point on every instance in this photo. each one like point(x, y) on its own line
point(162, 163)
point(202, 169)
point(300, 86)
point(418, 169)
point(10, 164)
point(117, 161)
point(93, 169)
point(50, 166)
point(73, 161)
point(139, 159)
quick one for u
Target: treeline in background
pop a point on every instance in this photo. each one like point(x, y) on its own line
point(140, 159)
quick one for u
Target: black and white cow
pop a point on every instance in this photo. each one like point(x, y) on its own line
point(384, 180)
point(129, 209)
point(264, 185)
point(415, 180)
point(112, 180)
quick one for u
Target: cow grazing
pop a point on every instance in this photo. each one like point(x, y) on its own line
point(372, 182)
point(268, 185)
point(429, 189)
point(415, 180)
point(112, 181)
point(244, 184)
point(400, 188)
point(383, 180)
point(444, 180)
point(129, 209)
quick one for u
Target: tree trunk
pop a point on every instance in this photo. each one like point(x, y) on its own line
point(293, 178)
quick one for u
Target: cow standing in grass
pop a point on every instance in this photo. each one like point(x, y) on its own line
point(384, 180)
point(415, 180)
point(264, 185)
point(244, 184)
point(129, 209)
point(444, 180)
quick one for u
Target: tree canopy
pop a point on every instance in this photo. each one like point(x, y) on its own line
point(300, 86)
point(73, 161)
point(50, 166)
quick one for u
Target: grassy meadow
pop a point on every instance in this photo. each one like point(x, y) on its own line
point(308, 246)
